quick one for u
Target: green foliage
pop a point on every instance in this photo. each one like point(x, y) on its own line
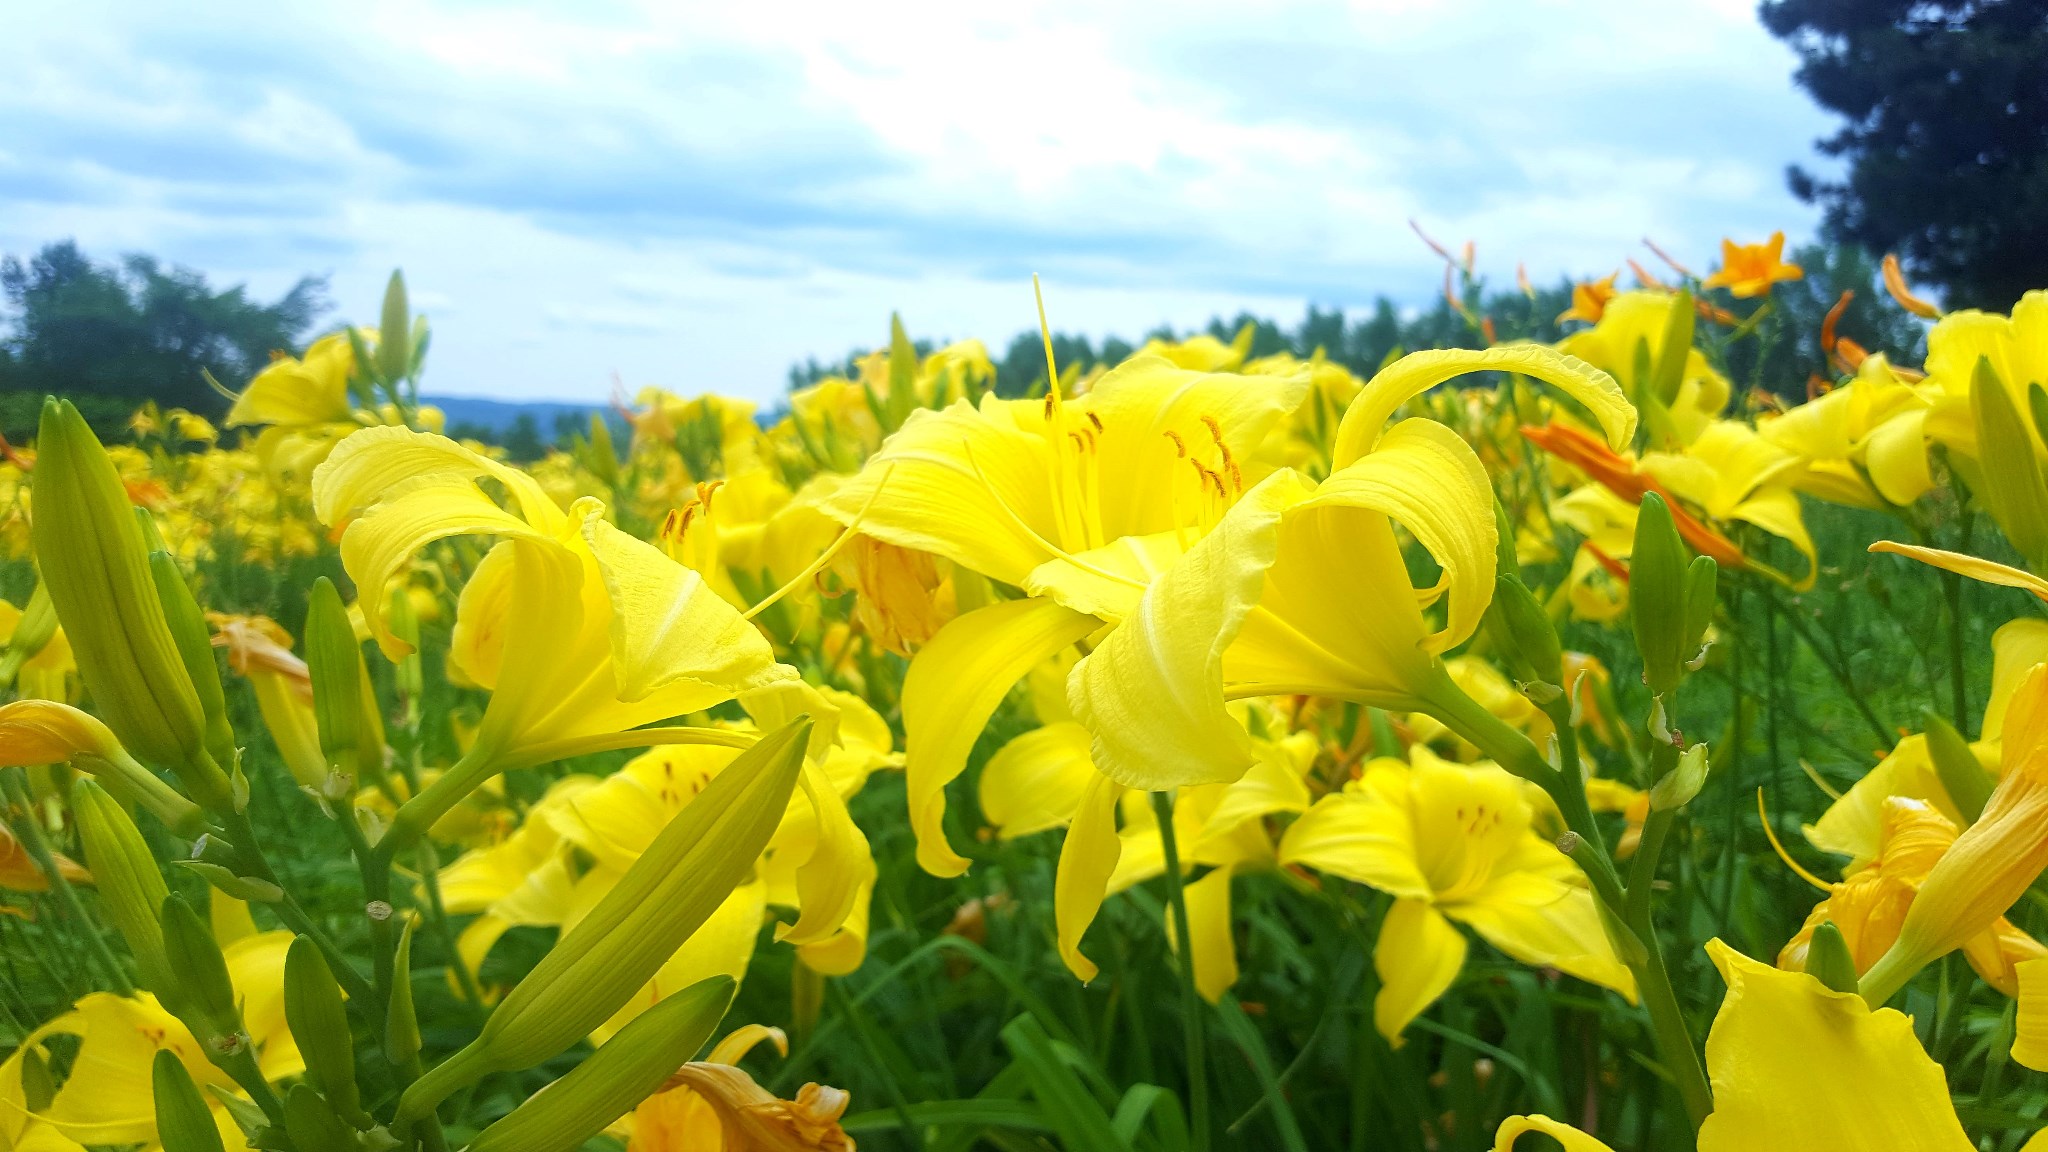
point(1946, 133)
point(135, 331)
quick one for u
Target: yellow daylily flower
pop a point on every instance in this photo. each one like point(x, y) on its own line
point(1630, 331)
point(2030, 1026)
point(1795, 1065)
point(1992, 862)
point(1852, 825)
point(1453, 843)
point(817, 861)
point(1221, 826)
point(1075, 500)
point(581, 632)
point(1302, 590)
point(711, 1105)
point(1864, 444)
point(2016, 346)
point(1750, 269)
point(1731, 472)
point(107, 1097)
point(1869, 906)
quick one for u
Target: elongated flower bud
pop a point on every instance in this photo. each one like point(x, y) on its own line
point(626, 1070)
point(340, 684)
point(1657, 596)
point(131, 889)
point(183, 1121)
point(2011, 473)
point(685, 873)
point(312, 1124)
point(38, 624)
point(97, 568)
point(319, 1024)
point(1702, 589)
point(394, 348)
point(401, 1023)
point(1962, 776)
point(203, 995)
point(1529, 629)
point(195, 649)
point(36, 732)
point(1828, 959)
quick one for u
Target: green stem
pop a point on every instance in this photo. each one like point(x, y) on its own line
point(67, 897)
point(1512, 750)
point(1192, 1006)
point(242, 834)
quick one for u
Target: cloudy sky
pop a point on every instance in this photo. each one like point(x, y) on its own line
point(697, 196)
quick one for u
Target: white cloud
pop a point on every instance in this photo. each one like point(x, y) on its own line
point(700, 195)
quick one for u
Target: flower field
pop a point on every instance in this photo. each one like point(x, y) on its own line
point(1585, 744)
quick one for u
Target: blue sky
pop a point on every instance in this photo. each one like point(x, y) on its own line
point(698, 195)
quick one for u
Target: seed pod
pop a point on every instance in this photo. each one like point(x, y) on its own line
point(401, 1024)
point(34, 732)
point(1828, 959)
point(2011, 473)
point(689, 869)
point(312, 1125)
point(202, 995)
point(183, 1121)
point(131, 889)
point(319, 1024)
point(1657, 593)
point(93, 559)
point(626, 1070)
point(1962, 775)
point(195, 649)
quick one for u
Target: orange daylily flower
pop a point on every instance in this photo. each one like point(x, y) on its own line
point(1589, 300)
point(1618, 475)
point(1750, 269)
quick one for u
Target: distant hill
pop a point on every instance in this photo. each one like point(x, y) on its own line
point(499, 415)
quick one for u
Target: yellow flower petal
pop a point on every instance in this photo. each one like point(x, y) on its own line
point(1417, 372)
point(1087, 859)
point(1573, 1140)
point(1544, 922)
point(1418, 958)
point(1362, 837)
point(1215, 954)
point(1152, 692)
point(1036, 780)
point(951, 690)
point(2016, 647)
point(1797, 1066)
point(1990, 572)
point(2030, 1031)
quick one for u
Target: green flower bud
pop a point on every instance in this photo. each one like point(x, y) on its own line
point(312, 1124)
point(1702, 590)
point(32, 633)
point(688, 870)
point(2011, 480)
point(394, 332)
point(195, 648)
point(38, 1087)
point(319, 1023)
point(131, 889)
point(202, 994)
point(1657, 593)
point(97, 569)
point(1961, 773)
point(183, 1121)
point(405, 624)
point(1528, 629)
point(340, 691)
point(401, 1023)
point(1669, 375)
point(1680, 785)
point(626, 1070)
point(902, 398)
point(1828, 959)
point(252, 889)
